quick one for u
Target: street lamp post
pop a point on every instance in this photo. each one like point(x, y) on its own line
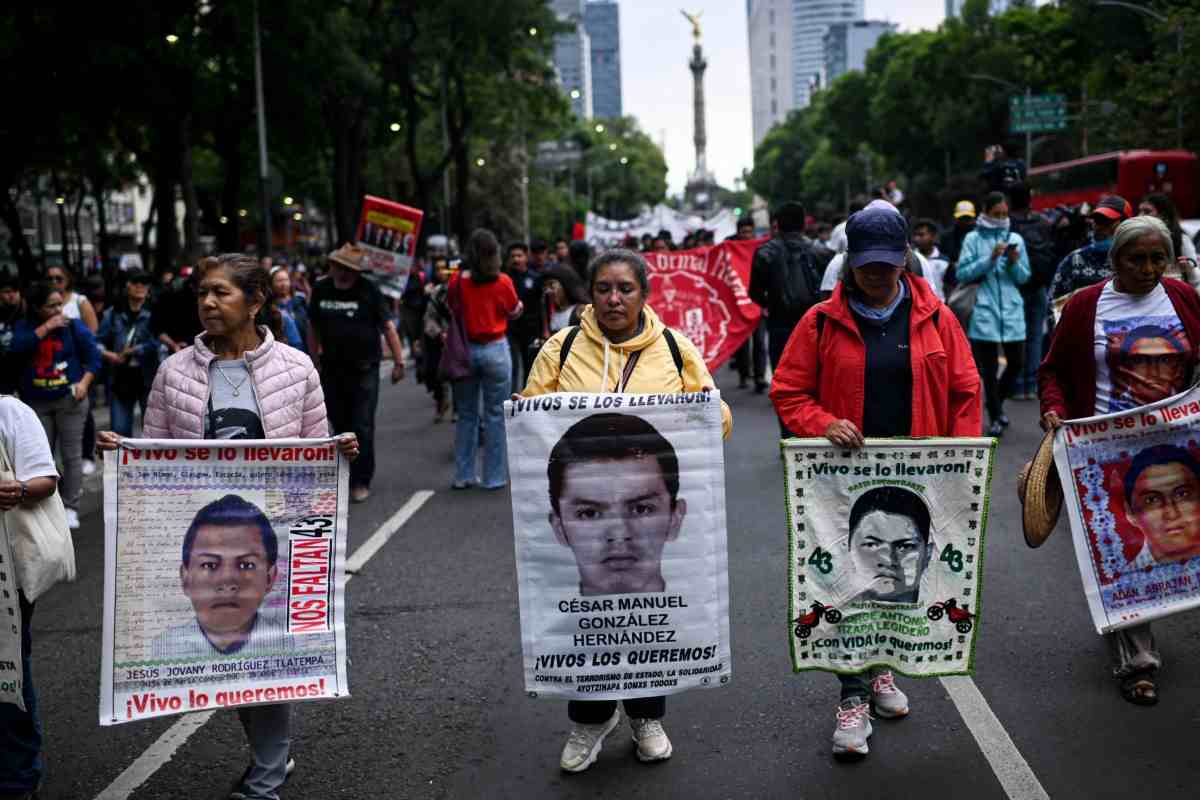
point(979, 76)
point(1158, 17)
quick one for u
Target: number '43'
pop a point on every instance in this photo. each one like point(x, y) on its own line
point(952, 557)
point(822, 559)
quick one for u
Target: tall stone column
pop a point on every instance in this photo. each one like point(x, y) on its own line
point(698, 65)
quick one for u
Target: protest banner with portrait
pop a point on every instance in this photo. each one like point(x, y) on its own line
point(1131, 485)
point(886, 553)
point(223, 575)
point(619, 519)
point(11, 674)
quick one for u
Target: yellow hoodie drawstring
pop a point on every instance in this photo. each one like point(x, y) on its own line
point(604, 372)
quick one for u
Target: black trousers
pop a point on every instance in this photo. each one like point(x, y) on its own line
point(753, 351)
point(593, 712)
point(351, 397)
point(987, 360)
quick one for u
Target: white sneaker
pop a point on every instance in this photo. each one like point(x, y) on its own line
point(651, 739)
point(89, 466)
point(890, 702)
point(853, 728)
point(584, 742)
point(72, 519)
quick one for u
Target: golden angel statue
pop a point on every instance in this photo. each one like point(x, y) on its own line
point(695, 20)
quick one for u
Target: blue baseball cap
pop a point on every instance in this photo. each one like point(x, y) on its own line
point(876, 234)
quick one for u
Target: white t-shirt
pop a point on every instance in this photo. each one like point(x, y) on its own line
point(934, 266)
point(1141, 348)
point(833, 272)
point(24, 441)
point(70, 308)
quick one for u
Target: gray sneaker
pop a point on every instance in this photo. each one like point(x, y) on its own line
point(853, 728)
point(584, 743)
point(651, 739)
point(889, 701)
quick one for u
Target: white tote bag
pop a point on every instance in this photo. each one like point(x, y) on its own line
point(42, 549)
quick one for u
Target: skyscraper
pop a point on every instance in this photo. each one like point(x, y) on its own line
point(847, 44)
point(601, 19)
point(787, 53)
point(573, 57)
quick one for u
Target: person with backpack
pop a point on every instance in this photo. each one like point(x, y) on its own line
point(620, 345)
point(882, 357)
point(1039, 244)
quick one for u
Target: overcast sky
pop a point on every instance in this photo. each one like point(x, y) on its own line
point(656, 44)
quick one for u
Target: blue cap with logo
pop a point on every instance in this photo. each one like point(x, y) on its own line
point(877, 234)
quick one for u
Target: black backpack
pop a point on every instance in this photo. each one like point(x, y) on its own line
point(795, 276)
point(1039, 247)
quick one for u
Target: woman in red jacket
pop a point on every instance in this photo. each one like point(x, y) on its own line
point(881, 357)
point(1120, 344)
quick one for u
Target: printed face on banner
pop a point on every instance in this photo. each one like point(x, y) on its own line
point(614, 481)
point(227, 573)
point(889, 544)
point(619, 520)
point(1147, 359)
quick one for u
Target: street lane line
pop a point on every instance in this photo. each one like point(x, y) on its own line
point(385, 531)
point(164, 747)
point(1011, 768)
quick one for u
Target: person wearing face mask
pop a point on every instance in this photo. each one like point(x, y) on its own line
point(1089, 264)
point(995, 258)
point(1124, 342)
point(620, 345)
point(860, 365)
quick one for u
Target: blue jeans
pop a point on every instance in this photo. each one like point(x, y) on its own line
point(491, 376)
point(1037, 305)
point(122, 413)
point(21, 731)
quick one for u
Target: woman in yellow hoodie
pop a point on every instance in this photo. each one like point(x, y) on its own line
point(620, 345)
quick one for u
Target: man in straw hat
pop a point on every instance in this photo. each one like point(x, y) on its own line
point(347, 314)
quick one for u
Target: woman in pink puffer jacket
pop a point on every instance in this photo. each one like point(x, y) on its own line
point(237, 381)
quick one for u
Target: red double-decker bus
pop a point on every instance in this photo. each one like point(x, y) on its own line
point(1132, 174)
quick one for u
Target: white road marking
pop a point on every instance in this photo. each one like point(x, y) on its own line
point(385, 531)
point(1011, 768)
point(164, 747)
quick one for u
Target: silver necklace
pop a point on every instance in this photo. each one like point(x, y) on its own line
point(232, 385)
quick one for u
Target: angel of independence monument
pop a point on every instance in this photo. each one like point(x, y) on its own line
point(700, 195)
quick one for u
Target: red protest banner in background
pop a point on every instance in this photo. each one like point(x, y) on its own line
point(388, 232)
point(704, 294)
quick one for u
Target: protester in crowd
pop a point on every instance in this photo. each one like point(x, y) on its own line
point(165, 279)
point(12, 308)
point(436, 323)
point(346, 316)
point(689, 242)
point(523, 330)
point(1089, 264)
point(1038, 236)
point(996, 258)
point(1185, 268)
point(862, 364)
point(837, 237)
point(291, 331)
point(562, 301)
point(538, 256)
point(620, 345)
point(34, 479)
point(579, 255)
point(487, 300)
point(411, 308)
point(76, 305)
point(785, 278)
point(61, 363)
point(964, 223)
point(176, 317)
point(924, 239)
point(1095, 367)
point(292, 304)
point(301, 289)
point(562, 253)
point(660, 245)
point(751, 357)
point(238, 381)
point(129, 347)
point(1000, 173)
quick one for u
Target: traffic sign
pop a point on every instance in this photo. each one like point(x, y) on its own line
point(1037, 113)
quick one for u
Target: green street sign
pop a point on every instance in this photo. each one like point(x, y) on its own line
point(1037, 113)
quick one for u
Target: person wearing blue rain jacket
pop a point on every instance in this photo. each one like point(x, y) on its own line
point(994, 257)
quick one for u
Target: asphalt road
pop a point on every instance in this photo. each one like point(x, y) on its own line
point(438, 707)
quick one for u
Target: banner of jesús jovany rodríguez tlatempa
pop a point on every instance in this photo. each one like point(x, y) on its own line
point(886, 548)
point(619, 524)
point(223, 575)
point(1131, 485)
